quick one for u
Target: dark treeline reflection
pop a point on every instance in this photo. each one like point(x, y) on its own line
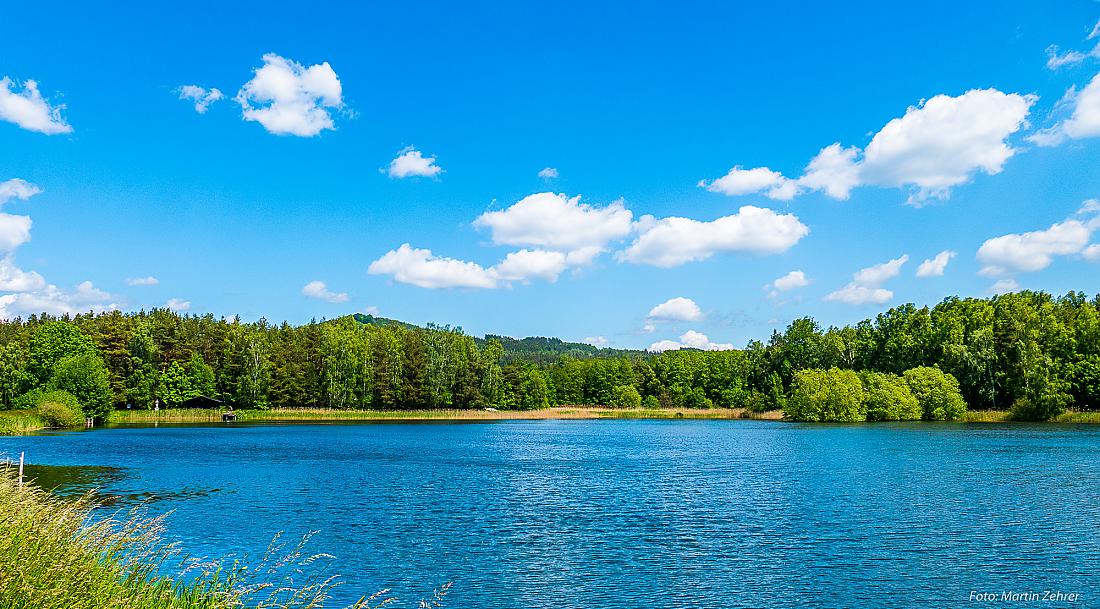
point(1029, 351)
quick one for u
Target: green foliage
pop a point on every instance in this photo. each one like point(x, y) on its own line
point(59, 409)
point(86, 378)
point(625, 396)
point(826, 395)
point(1085, 382)
point(52, 342)
point(937, 393)
point(887, 397)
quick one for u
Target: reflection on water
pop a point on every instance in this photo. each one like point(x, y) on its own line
point(105, 485)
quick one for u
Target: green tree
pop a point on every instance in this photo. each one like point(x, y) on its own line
point(826, 395)
point(937, 393)
point(888, 398)
point(52, 342)
point(86, 377)
point(626, 396)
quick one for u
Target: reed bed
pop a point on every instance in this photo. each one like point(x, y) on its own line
point(54, 555)
point(19, 422)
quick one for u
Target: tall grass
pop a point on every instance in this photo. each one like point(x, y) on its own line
point(19, 422)
point(53, 555)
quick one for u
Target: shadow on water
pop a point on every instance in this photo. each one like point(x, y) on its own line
point(106, 484)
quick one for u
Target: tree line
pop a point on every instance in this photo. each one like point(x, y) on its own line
point(1029, 351)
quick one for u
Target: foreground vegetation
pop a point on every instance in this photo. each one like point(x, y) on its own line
point(1029, 353)
point(55, 556)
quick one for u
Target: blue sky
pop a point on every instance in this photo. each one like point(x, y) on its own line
point(685, 130)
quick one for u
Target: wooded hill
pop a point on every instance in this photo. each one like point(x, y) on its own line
point(1029, 351)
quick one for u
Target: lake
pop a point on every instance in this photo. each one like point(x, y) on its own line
point(628, 513)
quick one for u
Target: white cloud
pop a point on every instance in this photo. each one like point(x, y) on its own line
point(690, 339)
point(548, 173)
point(177, 304)
point(14, 231)
point(674, 241)
point(410, 162)
point(855, 294)
point(834, 170)
point(14, 279)
point(55, 301)
point(935, 146)
point(557, 222)
point(372, 310)
point(595, 341)
point(423, 269)
point(320, 291)
point(1084, 119)
point(790, 281)
point(1057, 59)
point(16, 188)
point(288, 98)
point(200, 96)
point(525, 265)
point(935, 266)
point(1092, 253)
point(1003, 286)
point(739, 181)
point(29, 110)
point(676, 309)
point(1035, 250)
point(866, 285)
point(150, 280)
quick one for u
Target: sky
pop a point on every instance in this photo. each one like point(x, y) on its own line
point(690, 174)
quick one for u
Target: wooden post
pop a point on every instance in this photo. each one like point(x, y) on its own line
point(21, 470)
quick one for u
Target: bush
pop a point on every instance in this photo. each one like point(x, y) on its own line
point(59, 409)
point(937, 392)
point(1044, 404)
point(29, 400)
point(86, 377)
point(626, 396)
point(651, 402)
point(826, 395)
point(888, 398)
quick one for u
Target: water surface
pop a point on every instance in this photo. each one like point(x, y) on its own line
point(621, 514)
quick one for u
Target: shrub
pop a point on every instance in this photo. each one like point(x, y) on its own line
point(651, 402)
point(888, 398)
point(626, 396)
point(826, 395)
point(937, 392)
point(59, 409)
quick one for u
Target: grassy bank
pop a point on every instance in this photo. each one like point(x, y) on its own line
point(319, 414)
point(53, 556)
point(19, 422)
point(1004, 416)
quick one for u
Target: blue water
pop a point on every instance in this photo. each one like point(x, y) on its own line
point(628, 514)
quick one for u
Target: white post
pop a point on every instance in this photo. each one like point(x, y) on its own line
point(21, 470)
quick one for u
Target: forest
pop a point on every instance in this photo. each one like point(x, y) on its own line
point(1028, 352)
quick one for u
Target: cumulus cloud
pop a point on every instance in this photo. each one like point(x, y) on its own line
point(740, 181)
point(1035, 250)
point(201, 97)
point(1092, 253)
point(1084, 116)
point(548, 173)
point(1003, 286)
point(287, 98)
point(410, 163)
point(674, 241)
point(29, 110)
point(689, 340)
point(935, 146)
point(423, 269)
point(595, 341)
point(55, 301)
point(935, 266)
point(178, 304)
point(866, 285)
point(676, 309)
point(526, 265)
point(320, 291)
point(16, 188)
point(790, 281)
point(15, 279)
point(558, 222)
point(150, 280)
